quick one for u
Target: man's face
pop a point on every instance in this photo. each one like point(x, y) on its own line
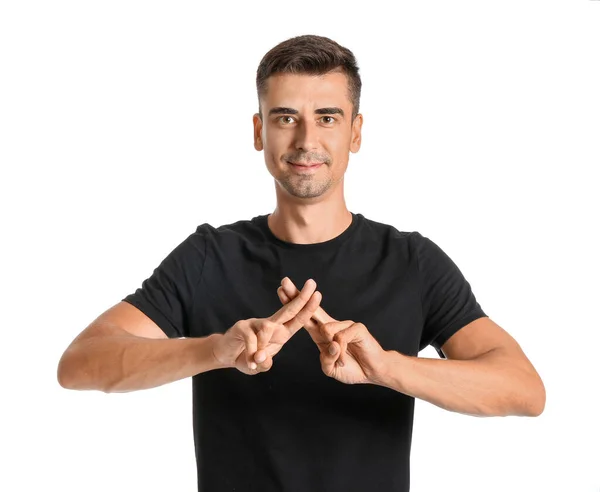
point(307, 120)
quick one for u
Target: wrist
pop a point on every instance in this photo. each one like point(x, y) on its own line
point(388, 368)
point(211, 341)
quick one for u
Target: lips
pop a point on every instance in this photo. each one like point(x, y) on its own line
point(309, 164)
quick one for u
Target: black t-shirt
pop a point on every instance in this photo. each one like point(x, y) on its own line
point(293, 428)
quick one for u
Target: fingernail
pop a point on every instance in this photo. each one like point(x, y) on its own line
point(252, 365)
point(261, 357)
point(332, 350)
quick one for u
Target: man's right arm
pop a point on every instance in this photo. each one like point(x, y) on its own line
point(123, 350)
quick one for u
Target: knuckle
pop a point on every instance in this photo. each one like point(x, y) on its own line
point(251, 337)
point(245, 326)
point(264, 333)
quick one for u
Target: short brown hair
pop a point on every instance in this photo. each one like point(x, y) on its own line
point(313, 55)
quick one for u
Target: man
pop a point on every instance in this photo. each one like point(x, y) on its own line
point(328, 407)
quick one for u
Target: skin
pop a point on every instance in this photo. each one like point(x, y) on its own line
point(492, 375)
point(310, 207)
point(486, 372)
point(239, 346)
point(348, 351)
point(294, 125)
point(307, 119)
point(500, 381)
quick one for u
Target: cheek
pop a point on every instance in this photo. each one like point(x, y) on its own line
point(339, 152)
point(339, 145)
point(275, 145)
point(271, 157)
point(277, 137)
point(273, 160)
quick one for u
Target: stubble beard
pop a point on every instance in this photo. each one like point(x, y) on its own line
point(305, 186)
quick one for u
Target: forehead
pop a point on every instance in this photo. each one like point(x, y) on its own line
point(295, 90)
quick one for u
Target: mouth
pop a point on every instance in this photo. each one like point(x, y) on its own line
point(308, 165)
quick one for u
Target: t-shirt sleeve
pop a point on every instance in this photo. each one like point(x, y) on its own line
point(446, 297)
point(167, 296)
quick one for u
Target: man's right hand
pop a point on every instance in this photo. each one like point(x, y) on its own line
point(250, 344)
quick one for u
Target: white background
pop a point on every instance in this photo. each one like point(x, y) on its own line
point(124, 125)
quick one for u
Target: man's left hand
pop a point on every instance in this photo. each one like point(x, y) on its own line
point(357, 357)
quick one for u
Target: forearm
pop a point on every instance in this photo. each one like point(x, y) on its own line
point(484, 386)
point(129, 363)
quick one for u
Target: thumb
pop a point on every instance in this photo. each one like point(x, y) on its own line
point(329, 358)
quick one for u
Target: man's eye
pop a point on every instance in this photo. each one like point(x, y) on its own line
point(284, 119)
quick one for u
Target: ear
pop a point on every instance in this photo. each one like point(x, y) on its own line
point(258, 144)
point(356, 133)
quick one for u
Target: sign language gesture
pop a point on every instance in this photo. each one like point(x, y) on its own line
point(349, 353)
point(250, 344)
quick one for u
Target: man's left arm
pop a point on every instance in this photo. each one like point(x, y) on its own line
point(486, 374)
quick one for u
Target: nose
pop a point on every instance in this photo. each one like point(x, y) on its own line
point(306, 137)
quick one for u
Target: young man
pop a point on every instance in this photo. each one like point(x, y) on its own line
point(334, 409)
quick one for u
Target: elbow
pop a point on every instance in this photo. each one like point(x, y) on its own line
point(70, 374)
point(533, 394)
point(63, 375)
point(538, 400)
point(529, 401)
point(534, 400)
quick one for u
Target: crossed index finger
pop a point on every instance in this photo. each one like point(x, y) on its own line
point(292, 308)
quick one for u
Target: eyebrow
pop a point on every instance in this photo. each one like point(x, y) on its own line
point(282, 110)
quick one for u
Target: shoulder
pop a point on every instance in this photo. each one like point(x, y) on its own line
point(382, 230)
point(243, 230)
point(410, 243)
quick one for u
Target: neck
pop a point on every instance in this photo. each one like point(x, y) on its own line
point(309, 223)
